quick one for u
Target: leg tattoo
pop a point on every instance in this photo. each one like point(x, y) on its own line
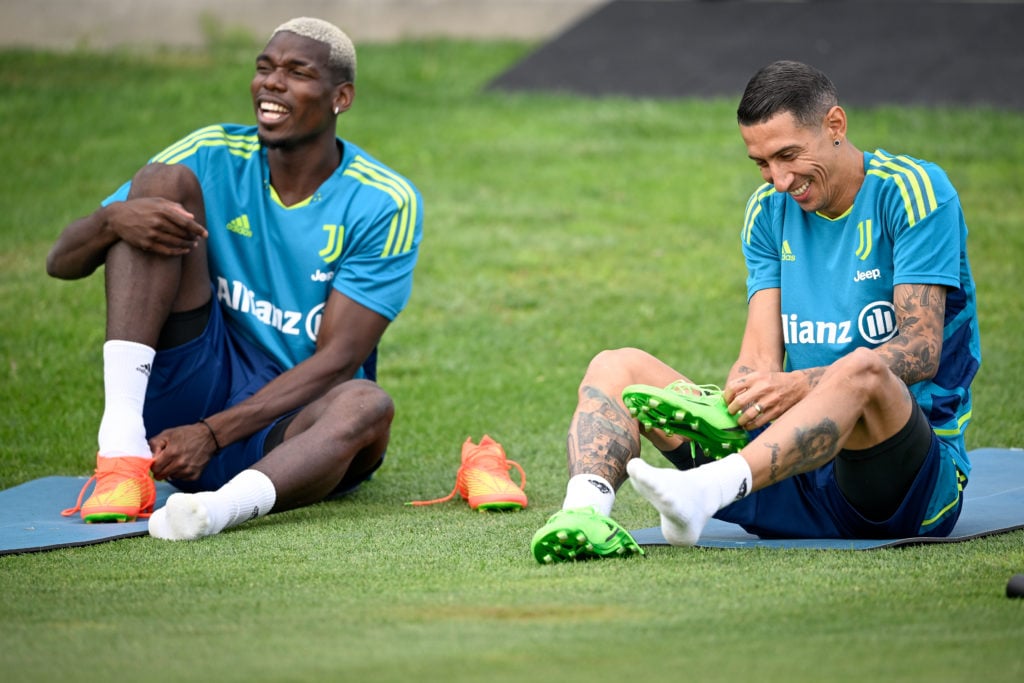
point(602, 438)
point(813, 448)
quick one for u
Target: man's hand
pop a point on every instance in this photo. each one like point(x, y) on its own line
point(154, 224)
point(761, 397)
point(182, 452)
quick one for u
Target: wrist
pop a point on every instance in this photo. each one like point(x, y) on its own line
point(213, 435)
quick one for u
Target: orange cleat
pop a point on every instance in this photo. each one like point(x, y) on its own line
point(483, 481)
point(125, 491)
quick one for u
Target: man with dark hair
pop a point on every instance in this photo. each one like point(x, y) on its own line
point(250, 274)
point(844, 414)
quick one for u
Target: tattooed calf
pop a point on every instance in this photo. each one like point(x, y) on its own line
point(602, 438)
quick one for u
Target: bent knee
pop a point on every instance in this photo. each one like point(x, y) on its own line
point(866, 369)
point(617, 359)
point(169, 181)
point(363, 398)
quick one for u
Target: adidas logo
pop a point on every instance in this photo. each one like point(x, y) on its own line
point(787, 253)
point(145, 369)
point(240, 226)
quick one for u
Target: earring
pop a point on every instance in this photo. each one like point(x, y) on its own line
point(336, 109)
point(835, 143)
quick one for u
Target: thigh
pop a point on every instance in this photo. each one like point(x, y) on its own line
point(190, 380)
point(802, 506)
point(619, 368)
point(204, 376)
point(178, 183)
point(811, 505)
point(876, 480)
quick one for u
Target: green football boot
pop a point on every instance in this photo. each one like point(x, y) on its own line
point(697, 412)
point(581, 534)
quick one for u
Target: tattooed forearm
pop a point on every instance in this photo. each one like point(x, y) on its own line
point(914, 353)
point(811, 448)
point(602, 438)
point(813, 376)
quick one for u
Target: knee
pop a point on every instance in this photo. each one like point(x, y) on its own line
point(614, 360)
point(359, 406)
point(865, 370)
point(176, 182)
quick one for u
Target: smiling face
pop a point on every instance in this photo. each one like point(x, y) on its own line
point(294, 94)
point(805, 162)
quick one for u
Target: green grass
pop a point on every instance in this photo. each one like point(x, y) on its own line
point(546, 217)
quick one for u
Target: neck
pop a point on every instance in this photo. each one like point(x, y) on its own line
point(297, 172)
point(853, 178)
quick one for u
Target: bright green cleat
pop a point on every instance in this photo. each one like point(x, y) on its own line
point(581, 534)
point(697, 412)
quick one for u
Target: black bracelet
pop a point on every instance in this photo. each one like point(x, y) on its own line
point(212, 434)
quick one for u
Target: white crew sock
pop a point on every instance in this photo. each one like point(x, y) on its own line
point(126, 369)
point(589, 489)
point(687, 499)
point(188, 516)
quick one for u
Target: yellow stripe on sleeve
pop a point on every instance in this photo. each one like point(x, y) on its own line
point(403, 225)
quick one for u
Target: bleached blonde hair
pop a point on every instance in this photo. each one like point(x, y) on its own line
point(342, 60)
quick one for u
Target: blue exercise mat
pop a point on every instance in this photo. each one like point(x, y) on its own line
point(30, 518)
point(993, 504)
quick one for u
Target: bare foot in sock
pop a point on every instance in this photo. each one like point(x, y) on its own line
point(675, 494)
point(185, 517)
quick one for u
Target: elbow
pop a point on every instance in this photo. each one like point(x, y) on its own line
point(64, 266)
point(919, 365)
point(58, 268)
point(53, 268)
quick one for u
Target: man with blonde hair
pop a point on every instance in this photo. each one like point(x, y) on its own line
point(250, 274)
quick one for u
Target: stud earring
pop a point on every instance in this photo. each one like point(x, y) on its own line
point(336, 113)
point(835, 143)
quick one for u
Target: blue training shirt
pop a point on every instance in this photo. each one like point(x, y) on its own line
point(273, 266)
point(836, 276)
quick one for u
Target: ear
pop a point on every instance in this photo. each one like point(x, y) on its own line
point(835, 122)
point(344, 94)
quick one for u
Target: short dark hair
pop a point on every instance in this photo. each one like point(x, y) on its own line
point(783, 86)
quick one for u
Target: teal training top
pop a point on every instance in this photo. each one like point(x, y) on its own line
point(272, 265)
point(836, 276)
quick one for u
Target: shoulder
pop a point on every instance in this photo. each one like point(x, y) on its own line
point(228, 139)
point(762, 194)
point(917, 185)
point(376, 178)
point(763, 203)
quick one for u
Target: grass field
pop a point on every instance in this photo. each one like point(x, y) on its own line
point(555, 227)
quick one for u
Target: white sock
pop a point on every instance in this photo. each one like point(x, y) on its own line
point(688, 499)
point(126, 368)
point(589, 489)
point(188, 516)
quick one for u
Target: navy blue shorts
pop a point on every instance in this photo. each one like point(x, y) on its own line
point(810, 505)
point(204, 376)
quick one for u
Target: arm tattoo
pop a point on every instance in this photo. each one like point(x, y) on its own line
point(812, 448)
point(914, 353)
point(813, 376)
point(603, 437)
